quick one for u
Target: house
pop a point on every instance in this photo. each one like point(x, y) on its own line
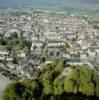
point(42, 66)
point(54, 52)
point(97, 59)
point(48, 62)
point(81, 62)
point(96, 48)
point(9, 59)
point(83, 56)
point(33, 63)
point(73, 51)
point(37, 51)
point(34, 38)
point(56, 44)
point(73, 61)
point(92, 52)
point(83, 44)
point(25, 34)
point(11, 66)
point(21, 54)
point(71, 36)
point(81, 37)
point(3, 54)
point(2, 66)
point(36, 44)
point(66, 55)
point(84, 47)
point(97, 43)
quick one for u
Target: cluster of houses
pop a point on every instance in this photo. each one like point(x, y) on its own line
point(48, 36)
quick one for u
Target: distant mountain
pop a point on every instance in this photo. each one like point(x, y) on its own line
point(46, 3)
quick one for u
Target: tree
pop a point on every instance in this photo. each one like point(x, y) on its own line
point(58, 86)
point(3, 42)
point(96, 83)
point(43, 59)
point(10, 93)
point(60, 64)
point(14, 35)
point(68, 85)
point(52, 98)
point(87, 89)
point(47, 83)
point(25, 90)
point(48, 87)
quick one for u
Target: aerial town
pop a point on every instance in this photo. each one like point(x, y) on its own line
point(30, 41)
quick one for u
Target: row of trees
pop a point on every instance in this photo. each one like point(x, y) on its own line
point(81, 83)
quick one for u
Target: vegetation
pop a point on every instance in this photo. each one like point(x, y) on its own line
point(80, 83)
point(95, 24)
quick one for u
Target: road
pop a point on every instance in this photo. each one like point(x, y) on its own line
point(4, 81)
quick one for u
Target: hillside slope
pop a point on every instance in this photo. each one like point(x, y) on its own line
point(46, 3)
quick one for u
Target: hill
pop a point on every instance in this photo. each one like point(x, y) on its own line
point(47, 3)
